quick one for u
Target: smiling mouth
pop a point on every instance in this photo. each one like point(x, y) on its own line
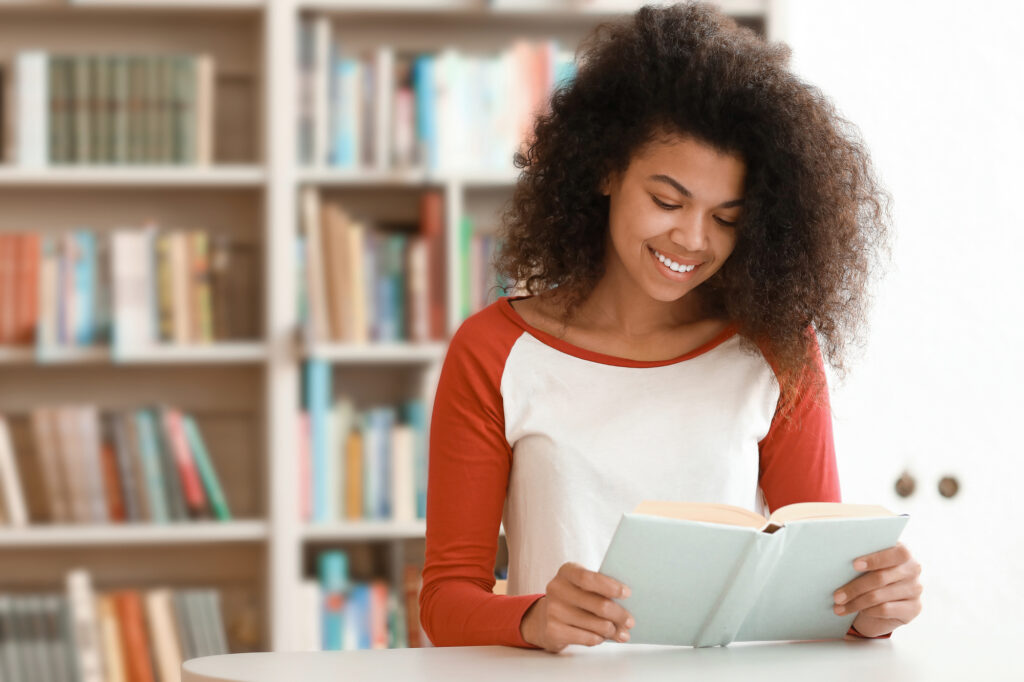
point(677, 272)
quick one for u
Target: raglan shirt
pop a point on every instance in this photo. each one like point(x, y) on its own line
point(556, 441)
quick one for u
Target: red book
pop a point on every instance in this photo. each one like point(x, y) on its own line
point(379, 614)
point(111, 482)
point(432, 229)
point(138, 661)
point(26, 304)
point(191, 485)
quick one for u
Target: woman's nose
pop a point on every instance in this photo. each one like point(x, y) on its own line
point(690, 232)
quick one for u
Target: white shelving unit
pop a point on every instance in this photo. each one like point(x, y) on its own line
point(253, 386)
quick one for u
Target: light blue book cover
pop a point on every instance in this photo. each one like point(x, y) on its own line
point(318, 398)
point(85, 287)
point(426, 109)
point(334, 584)
point(700, 583)
point(416, 416)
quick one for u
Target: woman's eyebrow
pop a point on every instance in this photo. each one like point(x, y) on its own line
point(687, 193)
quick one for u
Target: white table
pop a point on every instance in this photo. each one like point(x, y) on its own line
point(857, 661)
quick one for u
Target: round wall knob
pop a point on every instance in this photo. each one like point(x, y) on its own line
point(905, 484)
point(948, 486)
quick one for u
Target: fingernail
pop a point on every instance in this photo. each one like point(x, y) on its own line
point(625, 592)
point(860, 564)
point(840, 610)
point(623, 636)
point(840, 597)
point(630, 622)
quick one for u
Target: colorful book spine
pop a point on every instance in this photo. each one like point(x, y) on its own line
point(334, 586)
point(149, 449)
point(211, 483)
point(318, 392)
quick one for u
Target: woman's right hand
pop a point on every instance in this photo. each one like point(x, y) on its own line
point(577, 608)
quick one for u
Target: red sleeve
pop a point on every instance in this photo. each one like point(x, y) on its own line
point(468, 473)
point(798, 457)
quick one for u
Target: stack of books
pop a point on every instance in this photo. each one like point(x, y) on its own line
point(342, 614)
point(147, 465)
point(441, 111)
point(126, 634)
point(358, 284)
point(113, 109)
point(482, 284)
point(360, 465)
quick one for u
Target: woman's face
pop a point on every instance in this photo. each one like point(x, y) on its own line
point(672, 216)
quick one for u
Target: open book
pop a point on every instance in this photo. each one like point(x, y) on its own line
point(706, 574)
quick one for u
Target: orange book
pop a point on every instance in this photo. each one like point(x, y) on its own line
point(8, 249)
point(432, 229)
point(411, 590)
point(26, 301)
point(354, 476)
point(111, 481)
point(138, 658)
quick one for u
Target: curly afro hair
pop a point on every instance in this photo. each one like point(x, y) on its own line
point(815, 219)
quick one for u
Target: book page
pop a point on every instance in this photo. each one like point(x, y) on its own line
point(702, 511)
point(826, 510)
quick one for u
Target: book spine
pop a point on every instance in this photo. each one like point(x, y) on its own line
point(160, 617)
point(15, 511)
point(192, 487)
point(85, 628)
point(110, 638)
point(169, 467)
point(318, 397)
point(150, 457)
point(202, 458)
point(32, 101)
point(133, 632)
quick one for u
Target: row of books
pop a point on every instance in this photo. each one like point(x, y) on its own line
point(481, 282)
point(358, 284)
point(125, 635)
point(181, 287)
point(113, 108)
point(341, 614)
point(135, 287)
point(369, 464)
point(146, 465)
point(381, 108)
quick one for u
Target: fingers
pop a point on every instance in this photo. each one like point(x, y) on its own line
point(601, 607)
point(903, 611)
point(876, 579)
point(585, 620)
point(592, 581)
point(886, 558)
point(894, 592)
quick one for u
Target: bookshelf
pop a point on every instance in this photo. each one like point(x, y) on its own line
point(247, 392)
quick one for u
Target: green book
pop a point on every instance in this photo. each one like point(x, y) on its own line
point(201, 455)
point(709, 574)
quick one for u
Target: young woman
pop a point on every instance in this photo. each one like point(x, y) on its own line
point(691, 221)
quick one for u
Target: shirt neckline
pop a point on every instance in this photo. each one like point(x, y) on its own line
point(505, 305)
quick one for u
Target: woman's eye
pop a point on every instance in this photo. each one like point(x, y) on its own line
point(725, 222)
point(662, 204)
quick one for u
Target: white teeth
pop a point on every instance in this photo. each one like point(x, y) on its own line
point(672, 265)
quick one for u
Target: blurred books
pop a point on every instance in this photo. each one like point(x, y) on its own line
point(341, 614)
point(355, 465)
point(123, 634)
point(443, 111)
point(113, 109)
point(146, 465)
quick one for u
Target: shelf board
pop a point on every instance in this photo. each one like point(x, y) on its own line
point(192, 532)
point(367, 530)
point(170, 4)
point(539, 9)
point(133, 176)
point(216, 353)
point(378, 353)
point(337, 177)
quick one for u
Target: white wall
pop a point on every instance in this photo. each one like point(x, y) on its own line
point(936, 90)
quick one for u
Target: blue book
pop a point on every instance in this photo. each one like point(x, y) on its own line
point(357, 616)
point(384, 285)
point(149, 452)
point(334, 586)
point(318, 403)
point(85, 271)
point(345, 89)
point(415, 414)
point(426, 109)
point(396, 262)
point(387, 416)
point(704, 574)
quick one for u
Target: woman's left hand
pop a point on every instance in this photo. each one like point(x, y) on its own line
point(887, 596)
